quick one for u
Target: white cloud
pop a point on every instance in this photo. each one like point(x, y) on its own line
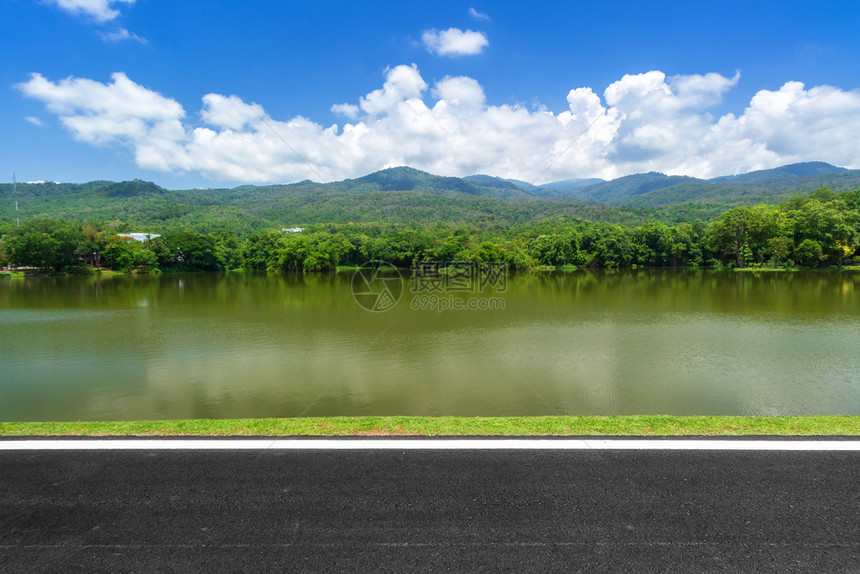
point(643, 122)
point(402, 83)
point(795, 124)
point(460, 91)
point(479, 16)
point(120, 112)
point(659, 120)
point(454, 42)
point(698, 91)
point(229, 112)
point(122, 98)
point(34, 120)
point(99, 10)
point(121, 34)
point(348, 110)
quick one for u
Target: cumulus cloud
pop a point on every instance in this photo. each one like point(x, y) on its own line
point(454, 42)
point(642, 122)
point(461, 91)
point(229, 112)
point(348, 110)
point(119, 112)
point(402, 83)
point(479, 16)
point(99, 10)
point(34, 120)
point(659, 118)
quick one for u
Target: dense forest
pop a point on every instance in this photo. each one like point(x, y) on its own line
point(818, 229)
point(414, 198)
point(248, 210)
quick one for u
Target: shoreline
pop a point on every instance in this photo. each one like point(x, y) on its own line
point(632, 425)
point(108, 273)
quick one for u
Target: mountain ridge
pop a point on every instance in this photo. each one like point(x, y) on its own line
point(628, 189)
point(783, 172)
point(403, 194)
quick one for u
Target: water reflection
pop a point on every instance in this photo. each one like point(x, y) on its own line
point(253, 345)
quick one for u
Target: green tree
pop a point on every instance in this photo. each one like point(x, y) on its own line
point(34, 249)
point(613, 246)
point(809, 253)
point(832, 225)
point(779, 248)
point(517, 257)
point(259, 251)
point(145, 260)
point(551, 249)
point(119, 252)
point(228, 251)
point(655, 245)
point(323, 252)
point(185, 251)
point(49, 244)
point(741, 235)
point(851, 199)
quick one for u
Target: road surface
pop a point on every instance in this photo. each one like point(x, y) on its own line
point(429, 510)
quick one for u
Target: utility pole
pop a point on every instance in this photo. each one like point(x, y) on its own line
point(15, 194)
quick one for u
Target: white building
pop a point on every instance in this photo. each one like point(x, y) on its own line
point(139, 236)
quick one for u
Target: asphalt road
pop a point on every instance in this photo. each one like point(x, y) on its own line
point(398, 511)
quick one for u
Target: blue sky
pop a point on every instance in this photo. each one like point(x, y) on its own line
point(215, 94)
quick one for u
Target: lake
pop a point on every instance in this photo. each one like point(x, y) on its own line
point(652, 341)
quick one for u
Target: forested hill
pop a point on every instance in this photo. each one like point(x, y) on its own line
point(250, 209)
point(624, 189)
point(784, 172)
point(410, 196)
point(766, 186)
point(410, 179)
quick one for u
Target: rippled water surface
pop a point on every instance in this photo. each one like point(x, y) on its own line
point(242, 345)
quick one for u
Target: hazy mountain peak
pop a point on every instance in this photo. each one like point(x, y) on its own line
point(786, 171)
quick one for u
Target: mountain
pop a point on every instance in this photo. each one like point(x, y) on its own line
point(656, 190)
point(624, 188)
point(553, 190)
point(406, 195)
point(784, 172)
point(733, 193)
point(563, 188)
point(490, 180)
point(571, 184)
point(524, 185)
point(245, 210)
point(411, 179)
point(763, 186)
point(643, 190)
point(134, 188)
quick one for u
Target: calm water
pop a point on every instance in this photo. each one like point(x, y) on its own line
point(631, 342)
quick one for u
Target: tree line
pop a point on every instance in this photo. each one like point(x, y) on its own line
point(821, 229)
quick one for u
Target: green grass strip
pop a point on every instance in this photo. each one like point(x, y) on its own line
point(452, 426)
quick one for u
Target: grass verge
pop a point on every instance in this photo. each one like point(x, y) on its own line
point(452, 426)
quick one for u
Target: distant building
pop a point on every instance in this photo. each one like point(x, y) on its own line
point(292, 229)
point(139, 236)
